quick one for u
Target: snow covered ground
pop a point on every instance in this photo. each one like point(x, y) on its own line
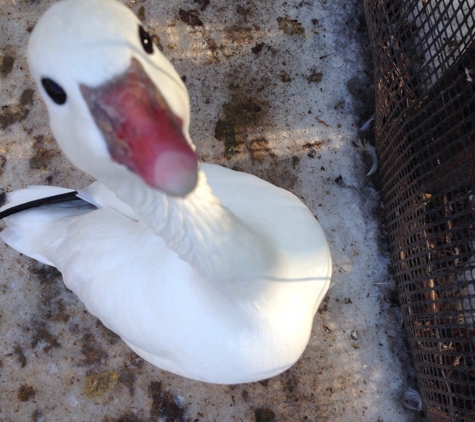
point(278, 89)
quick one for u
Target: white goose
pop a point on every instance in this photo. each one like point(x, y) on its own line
point(205, 272)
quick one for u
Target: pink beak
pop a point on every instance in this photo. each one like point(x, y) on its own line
point(142, 132)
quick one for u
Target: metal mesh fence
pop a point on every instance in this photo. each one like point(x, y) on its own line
point(424, 55)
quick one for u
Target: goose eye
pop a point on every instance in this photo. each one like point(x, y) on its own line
point(55, 92)
point(146, 40)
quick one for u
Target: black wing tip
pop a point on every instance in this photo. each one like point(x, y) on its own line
point(49, 200)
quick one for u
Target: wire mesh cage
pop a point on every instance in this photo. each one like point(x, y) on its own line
point(424, 56)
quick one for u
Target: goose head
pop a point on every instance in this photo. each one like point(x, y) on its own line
point(116, 105)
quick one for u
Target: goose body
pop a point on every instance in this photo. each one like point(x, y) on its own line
point(203, 271)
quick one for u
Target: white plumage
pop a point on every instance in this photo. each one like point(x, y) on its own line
point(206, 272)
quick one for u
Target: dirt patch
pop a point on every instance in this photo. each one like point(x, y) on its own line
point(279, 172)
point(315, 77)
point(264, 415)
point(203, 4)
point(141, 13)
point(285, 77)
point(45, 152)
point(257, 48)
point(51, 306)
point(3, 162)
point(6, 65)
point(239, 116)
point(190, 17)
point(239, 34)
point(97, 385)
point(164, 405)
point(26, 392)
point(128, 417)
point(290, 26)
point(259, 150)
point(92, 352)
point(11, 114)
point(21, 358)
point(26, 97)
point(42, 336)
point(134, 361)
point(128, 378)
point(37, 416)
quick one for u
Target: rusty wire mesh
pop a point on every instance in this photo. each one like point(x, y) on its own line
point(424, 55)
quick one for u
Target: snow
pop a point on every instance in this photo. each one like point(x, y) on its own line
point(293, 81)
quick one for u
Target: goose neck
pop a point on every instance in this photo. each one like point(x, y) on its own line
point(202, 231)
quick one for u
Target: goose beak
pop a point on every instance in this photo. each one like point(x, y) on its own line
point(142, 132)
